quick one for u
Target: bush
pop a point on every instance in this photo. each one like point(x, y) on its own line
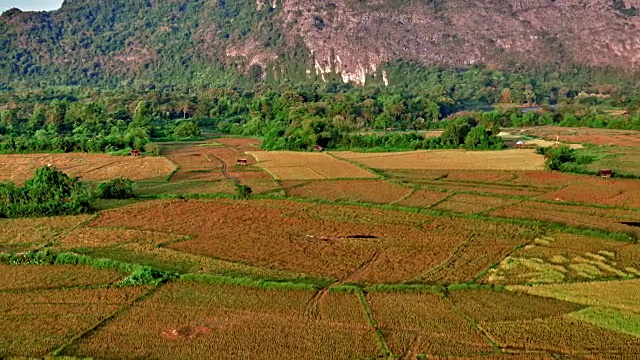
point(49, 193)
point(557, 156)
point(119, 188)
point(243, 191)
point(186, 129)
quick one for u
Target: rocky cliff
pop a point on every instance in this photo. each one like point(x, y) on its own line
point(352, 40)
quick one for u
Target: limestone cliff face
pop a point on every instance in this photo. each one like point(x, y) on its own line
point(352, 39)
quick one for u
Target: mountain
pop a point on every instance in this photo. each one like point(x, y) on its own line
point(215, 42)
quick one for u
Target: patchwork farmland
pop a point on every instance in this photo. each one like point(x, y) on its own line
point(412, 255)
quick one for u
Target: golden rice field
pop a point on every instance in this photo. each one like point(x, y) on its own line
point(433, 254)
point(290, 165)
point(95, 167)
point(184, 320)
point(26, 234)
point(506, 160)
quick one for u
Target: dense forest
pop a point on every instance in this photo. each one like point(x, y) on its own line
point(332, 115)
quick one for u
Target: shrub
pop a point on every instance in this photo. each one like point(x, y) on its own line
point(186, 129)
point(119, 188)
point(243, 191)
point(49, 193)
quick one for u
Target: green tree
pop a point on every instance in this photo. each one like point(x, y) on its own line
point(186, 129)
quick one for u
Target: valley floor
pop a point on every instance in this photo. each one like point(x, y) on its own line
point(475, 255)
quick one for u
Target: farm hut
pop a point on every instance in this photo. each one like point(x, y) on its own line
point(318, 148)
point(606, 173)
point(242, 162)
point(520, 145)
point(135, 153)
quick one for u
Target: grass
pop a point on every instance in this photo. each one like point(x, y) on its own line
point(303, 284)
point(627, 322)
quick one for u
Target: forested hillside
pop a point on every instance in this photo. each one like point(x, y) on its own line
point(199, 43)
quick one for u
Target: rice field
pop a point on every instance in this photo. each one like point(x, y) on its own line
point(35, 323)
point(92, 167)
point(506, 160)
point(564, 257)
point(439, 254)
point(28, 234)
point(573, 215)
point(289, 165)
point(349, 243)
point(424, 323)
point(368, 191)
point(31, 277)
point(194, 320)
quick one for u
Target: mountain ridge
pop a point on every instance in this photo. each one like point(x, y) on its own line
point(178, 41)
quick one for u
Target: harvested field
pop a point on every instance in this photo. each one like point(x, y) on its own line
point(92, 237)
point(26, 234)
point(516, 159)
point(619, 294)
point(567, 257)
point(192, 320)
point(563, 335)
point(22, 277)
point(470, 204)
point(289, 165)
point(94, 167)
point(423, 198)
point(339, 242)
point(572, 215)
point(547, 179)
point(370, 191)
point(215, 160)
point(48, 319)
point(424, 323)
point(624, 193)
point(186, 187)
point(588, 135)
point(491, 182)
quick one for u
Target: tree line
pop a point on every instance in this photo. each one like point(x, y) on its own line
point(287, 117)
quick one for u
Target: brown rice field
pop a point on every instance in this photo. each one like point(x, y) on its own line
point(22, 277)
point(469, 204)
point(337, 242)
point(563, 335)
point(610, 192)
point(195, 320)
point(486, 306)
point(290, 165)
point(369, 191)
point(34, 323)
point(516, 159)
point(424, 323)
point(27, 234)
point(573, 215)
point(94, 167)
point(423, 198)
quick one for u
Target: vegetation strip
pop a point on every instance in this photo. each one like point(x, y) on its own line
point(372, 322)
